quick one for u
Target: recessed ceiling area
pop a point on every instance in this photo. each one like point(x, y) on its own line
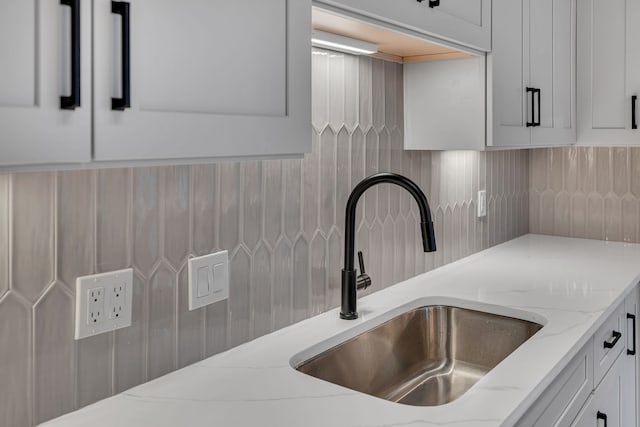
point(392, 45)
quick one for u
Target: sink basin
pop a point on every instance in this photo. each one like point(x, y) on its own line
point(424, 357)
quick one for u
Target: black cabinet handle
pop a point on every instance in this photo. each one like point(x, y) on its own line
point(534, 92)
point(72, 101)
point(122, 9)
point(602, 416)
point(432, 3)
point(634, 101)
point(533, 121)
point(539, 92)
point(633, 320)
point(616, 337)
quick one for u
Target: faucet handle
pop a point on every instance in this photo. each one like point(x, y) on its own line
point(361, 262)
point(363, 281)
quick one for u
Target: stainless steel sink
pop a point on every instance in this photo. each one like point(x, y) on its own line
point(425, 357)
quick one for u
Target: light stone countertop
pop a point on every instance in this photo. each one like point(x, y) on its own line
point(569, 285)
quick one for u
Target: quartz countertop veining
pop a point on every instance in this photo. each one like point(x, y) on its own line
point(568, 285)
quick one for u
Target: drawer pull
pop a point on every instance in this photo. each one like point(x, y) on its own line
point(602, 416)
point(434, 3)
point(616, 337)
point(633, 320)
point(634, 101)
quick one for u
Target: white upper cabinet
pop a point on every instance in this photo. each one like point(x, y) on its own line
point(444, 105)
point(467, 22)
point(189, 79)
point(45, 51)
point(531, 73)
point(507, 72)
point(202, 79)
point(529, 79)
point(608, 72)
point(553, 70)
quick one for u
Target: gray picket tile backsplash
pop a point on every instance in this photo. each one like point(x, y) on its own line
point(282, 222)
point(588, 192)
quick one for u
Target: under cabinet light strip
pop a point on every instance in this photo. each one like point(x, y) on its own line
point(342, 43)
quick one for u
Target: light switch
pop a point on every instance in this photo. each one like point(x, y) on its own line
point(482, 203)
point(208, 279)
point(203, 282)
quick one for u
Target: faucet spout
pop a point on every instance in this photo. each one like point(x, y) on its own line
point(349, 279)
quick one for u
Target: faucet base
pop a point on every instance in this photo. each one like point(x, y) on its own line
point(349, 316)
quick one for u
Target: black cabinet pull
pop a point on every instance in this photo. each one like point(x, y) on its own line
point(616, 337)
point(434, 3)
point(634, 101)
point(534, 92)
point(633, 320)
point(122, 9)
point(533, 121)
point(602, 416)
point(73, 101)
point(539, 92)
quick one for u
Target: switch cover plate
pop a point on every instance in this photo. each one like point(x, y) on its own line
point(482, 203)
point(208, 279)
point(103, 302)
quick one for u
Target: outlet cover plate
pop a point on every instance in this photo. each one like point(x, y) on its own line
point(208, 279)
point(103, 302)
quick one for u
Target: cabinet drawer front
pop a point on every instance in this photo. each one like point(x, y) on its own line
point(562, 400)
point(609, 342)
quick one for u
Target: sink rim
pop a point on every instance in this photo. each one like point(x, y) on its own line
point(365, 324)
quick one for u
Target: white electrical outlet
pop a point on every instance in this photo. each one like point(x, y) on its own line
point(208, 279)
point(482, 203)
point(95, 303)
point(103, 302)
point(118, 300)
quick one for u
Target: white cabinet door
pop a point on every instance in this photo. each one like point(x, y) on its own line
point(608, 71)
point(467, 22)
point(507, 72)
point(630, 380)
point(560, 403)
point(531, 73)
point(35, 71)
point(552, 63)
point(208, 78)
point(606, 401)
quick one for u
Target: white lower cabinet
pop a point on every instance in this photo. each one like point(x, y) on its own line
point(599, 387)
point(561, 402)
point(631, 396)
point(604, 407)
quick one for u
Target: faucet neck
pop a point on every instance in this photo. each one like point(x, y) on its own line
point(428, 238)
